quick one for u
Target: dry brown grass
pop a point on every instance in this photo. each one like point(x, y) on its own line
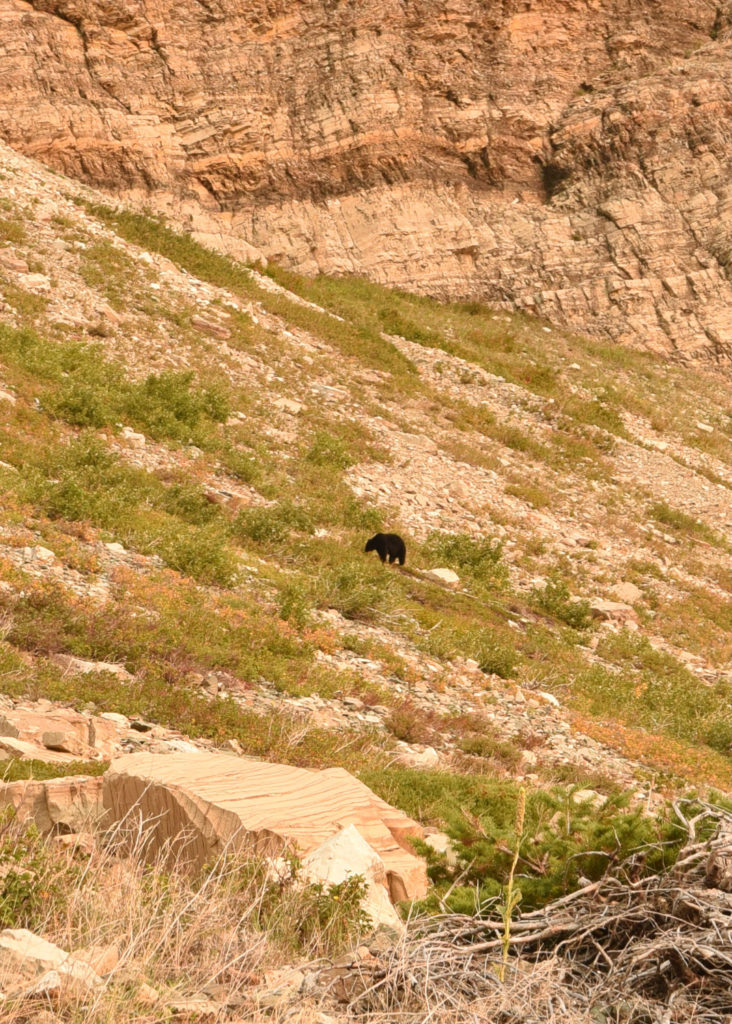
point(183, 935)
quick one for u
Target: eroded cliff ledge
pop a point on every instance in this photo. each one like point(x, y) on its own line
point(570, 158)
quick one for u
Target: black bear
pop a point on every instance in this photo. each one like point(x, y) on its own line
point(388, 545)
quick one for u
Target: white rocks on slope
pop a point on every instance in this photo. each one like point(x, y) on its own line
point(346, 854)
point(27, 959)
point(446, 576)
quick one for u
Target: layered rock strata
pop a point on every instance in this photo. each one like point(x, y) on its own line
point(570, 159)
point(196, 807)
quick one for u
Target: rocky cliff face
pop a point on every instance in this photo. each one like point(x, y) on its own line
point(566, 158)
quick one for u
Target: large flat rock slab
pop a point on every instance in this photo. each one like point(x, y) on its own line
point(198, 805)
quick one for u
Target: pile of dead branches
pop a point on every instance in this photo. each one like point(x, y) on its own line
point(660, 945)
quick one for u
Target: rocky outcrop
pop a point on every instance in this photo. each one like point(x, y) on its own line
point(57, 734)
point(65, 805)
point(566, 159)
point(198, 806)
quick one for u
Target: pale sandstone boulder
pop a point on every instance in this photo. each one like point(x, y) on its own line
point(194, 1008)
point(101, 959)
point(424, 758)
point(345, 854)
point(628, 593)
point(447, 576)
point(442, 843)
point(27, 958)
point(29, 725)
point(64, 743)
point(591, 796)
point(198, 806)
point(613, 611)
point(60, 735)
point(24, 750)
point(72, 980)
point(69, 804)
point(11, 261)
point(105, 735)
point(81, 844)
point(79, 666)
point(280, 987)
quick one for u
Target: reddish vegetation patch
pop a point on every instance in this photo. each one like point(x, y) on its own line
point(699, 766)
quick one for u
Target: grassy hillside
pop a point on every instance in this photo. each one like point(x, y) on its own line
point(202, 450)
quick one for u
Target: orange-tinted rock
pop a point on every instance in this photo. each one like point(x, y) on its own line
point(72, 803)
point(566, 159)
point(31, 725)
point(205, 803)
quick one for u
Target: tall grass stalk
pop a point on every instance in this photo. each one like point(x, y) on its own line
point(511, 897)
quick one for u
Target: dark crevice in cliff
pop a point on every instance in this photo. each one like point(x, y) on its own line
point(553, 176)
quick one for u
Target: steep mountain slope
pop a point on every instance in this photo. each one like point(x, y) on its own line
point(568, 159)
point(192, 454)
point(273, 436)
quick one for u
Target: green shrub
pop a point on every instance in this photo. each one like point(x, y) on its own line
point(555, 599)
point(561, 840)
point(14, 770)
point(81, 405)
point(531, 493)
point(203, 553)
point(85, 389)
point(479, 559)
point(493, 656)
point(168, 406)
point(392, 322)
point(177, 633)
point(600, 411)
point(187, 501)
point(12, 230)
point(718, 735)
point(85, 482)
point(505, 751)
point(329, 451)
point(244, 466)
point(540, 378)
point(683, 523)
point(307, 918)
point(334, 911)
point(294, 603)
point(34, 885)
point(512, 437)
point(272, 523)
point(651, 689)
point(356, 590)
point(409, 723)
point(357, 516)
